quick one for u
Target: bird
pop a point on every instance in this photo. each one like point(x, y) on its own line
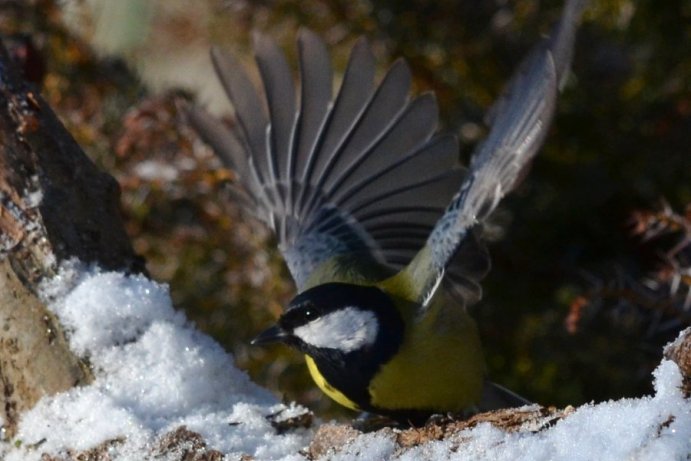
point(378, 222)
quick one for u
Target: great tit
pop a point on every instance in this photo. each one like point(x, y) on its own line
point(373, 214)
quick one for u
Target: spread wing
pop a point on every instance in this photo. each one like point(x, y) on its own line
point(519, 122)
point(360, 173)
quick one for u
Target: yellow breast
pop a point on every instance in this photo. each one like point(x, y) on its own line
point(327, 388)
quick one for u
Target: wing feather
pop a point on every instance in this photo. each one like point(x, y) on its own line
point(315, 92)
point(519, 123)
point(356, 90)
point(249, 108)
point(364, 173)
point(430, 161)
point(280, 95)
point(376, 118)
point(411, 131)
point(333, 177)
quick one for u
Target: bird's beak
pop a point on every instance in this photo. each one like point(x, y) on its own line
point(270, 335)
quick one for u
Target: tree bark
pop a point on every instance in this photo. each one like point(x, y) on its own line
point(54, 205)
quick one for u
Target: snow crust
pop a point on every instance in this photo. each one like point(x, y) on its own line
point(154, 373)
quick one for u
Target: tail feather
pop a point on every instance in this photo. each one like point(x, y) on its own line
point(495, 397)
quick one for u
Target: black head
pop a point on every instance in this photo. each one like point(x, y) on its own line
point(348, 330)
point(336, 317)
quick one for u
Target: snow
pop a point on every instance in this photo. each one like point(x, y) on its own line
point(651, 428)
point(154, 373)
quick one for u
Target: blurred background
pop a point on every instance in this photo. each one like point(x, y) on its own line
point(591, 255)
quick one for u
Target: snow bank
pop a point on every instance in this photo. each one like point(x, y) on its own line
point(154, 373)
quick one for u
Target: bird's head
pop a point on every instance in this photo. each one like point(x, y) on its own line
point(336, 318)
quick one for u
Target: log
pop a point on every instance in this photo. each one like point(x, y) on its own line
point(55, 205)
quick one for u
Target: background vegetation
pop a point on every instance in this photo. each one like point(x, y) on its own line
point(591, 255)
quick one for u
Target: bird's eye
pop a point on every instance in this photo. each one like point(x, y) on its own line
point(310, 313)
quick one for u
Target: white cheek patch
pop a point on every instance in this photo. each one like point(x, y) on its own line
point(346, 329)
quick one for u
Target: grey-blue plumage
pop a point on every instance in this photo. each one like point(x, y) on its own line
point(366, 172)
point(519, 121)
